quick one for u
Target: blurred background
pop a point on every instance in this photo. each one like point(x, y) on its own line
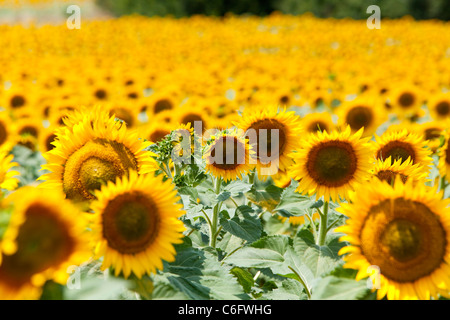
point(48, 11)
point(419, 9)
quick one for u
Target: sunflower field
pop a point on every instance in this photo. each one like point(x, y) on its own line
point(225, 158)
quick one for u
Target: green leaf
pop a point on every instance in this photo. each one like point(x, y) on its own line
point(244, 224)
point(94, 288)
point(52, 291)
point(224, 195)
point(289, 290)
point(250, 257)
point(144, 287)
point(293, 203)
point(200, 276)
point(295, 268)
point(236, 187)
point(334, 288)
point(163, 290)
point(277, 243)
point(229, 243)
point(267, 198)
point(320, 259)
point(244, 277)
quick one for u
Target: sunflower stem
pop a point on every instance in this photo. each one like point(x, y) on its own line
point(443, 185)
point(323, 228)
point(300, 279)
point(215, 218)
point(251, 177)
point(234, 201)
point(313, 227)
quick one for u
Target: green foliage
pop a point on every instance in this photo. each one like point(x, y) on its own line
point(356, 9)
point(29, 164)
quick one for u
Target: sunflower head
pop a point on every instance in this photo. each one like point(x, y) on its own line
point(318, 121)
point(388, 170)
point(92, 152)
point(45, 236)
point(403, 145)
point(406, 101)
point(274, 135)
point(403, 230)
point(331, 164)
point(228, 156)
point(8, 177)
point(363, 112)
point(135, 224)
point(439, 106)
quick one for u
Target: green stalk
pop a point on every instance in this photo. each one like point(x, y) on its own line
point(251, 177)
point(215, 217)
point(323, 228)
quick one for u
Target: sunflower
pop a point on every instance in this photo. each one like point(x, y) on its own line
point(331, 164)
point(197, 117)
point(406, 101)
point(46, 138)
point(18, 99)
point(403, 230)
point(183, 138)
point(228, 156)
point(318, 121)
point(403, 144)
point(299, 220)
point(162, 100)
point(388, 170)
point(46, 234)
point(8, 177)
point(274, 134)
point(135, 224)
point(444, 157)
point(124, 111)
point(92, 152)
point(281, 179)
point(29, 126)
point(431, 132)
point(363, 112)
point(100, 92)
point(439, 106)
point(8, 132)
point(155, 131)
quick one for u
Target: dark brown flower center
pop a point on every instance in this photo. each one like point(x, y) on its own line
point(397, 150)
point(432, 133)
point(158, 135)
point(101, 94)
point(29, 130)
point(124, 115)
point(162, 105)
point(130, 222)
point(406, 100)
point(271, 139)
point(43, 241)
point(227, 153)
point(389, 176)
point(359, 117)
point(332, 163)
point(3, 133)
point(317, 126)
point(404, 238)
point(443, 108)
point(17, 101)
